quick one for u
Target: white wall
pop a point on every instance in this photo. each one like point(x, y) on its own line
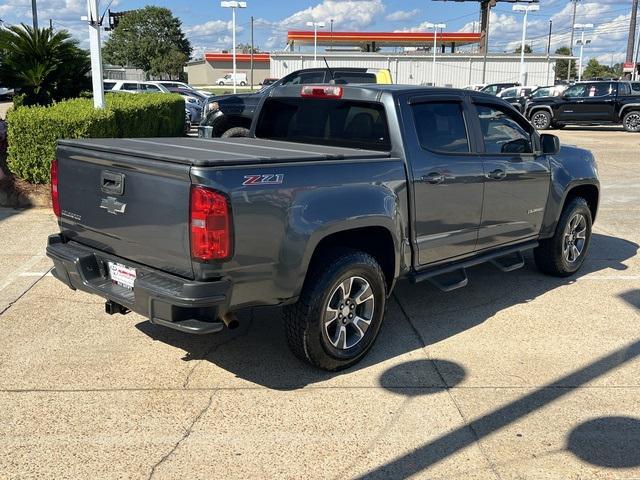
point(456, 70)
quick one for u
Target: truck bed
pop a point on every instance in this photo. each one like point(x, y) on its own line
point(220, 152)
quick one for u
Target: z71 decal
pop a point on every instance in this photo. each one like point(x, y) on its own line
point(268, 179)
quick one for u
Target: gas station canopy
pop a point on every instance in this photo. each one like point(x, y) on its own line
point(381, 39)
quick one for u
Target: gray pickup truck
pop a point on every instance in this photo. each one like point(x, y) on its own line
point(338, 193)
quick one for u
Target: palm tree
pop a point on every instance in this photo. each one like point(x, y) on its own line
point(43, 64)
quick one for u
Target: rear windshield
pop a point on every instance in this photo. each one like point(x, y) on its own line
point(320, 121)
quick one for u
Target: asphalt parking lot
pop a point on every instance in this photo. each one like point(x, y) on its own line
point(517, 376)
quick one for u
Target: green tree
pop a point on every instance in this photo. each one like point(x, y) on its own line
point(527, 48)
point(562, 65)
point(149, 39)
point(169, 66)
point(595, 69)
point(45, 65)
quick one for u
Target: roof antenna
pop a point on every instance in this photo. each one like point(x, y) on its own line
point(333, 78)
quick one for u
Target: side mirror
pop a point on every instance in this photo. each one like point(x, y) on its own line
point(550, 144)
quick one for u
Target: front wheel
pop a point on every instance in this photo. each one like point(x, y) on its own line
point(221, 84)
point(243, 84)
point(340, 311)
point(236, 132)
point(564, 253)
point(541, 119)
point(631, 121)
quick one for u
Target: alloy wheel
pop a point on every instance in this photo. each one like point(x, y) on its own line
point(575, 238)
point(349, 312)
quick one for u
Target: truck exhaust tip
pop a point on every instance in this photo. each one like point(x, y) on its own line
point(230, 320)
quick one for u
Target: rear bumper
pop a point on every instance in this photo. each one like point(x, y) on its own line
point(169, 300)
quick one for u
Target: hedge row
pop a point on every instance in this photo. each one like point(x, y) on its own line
point(34, 131)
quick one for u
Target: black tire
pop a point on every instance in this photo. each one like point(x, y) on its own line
point(236, 132)
point(550, 255)
point(221, 84)
point(541, 120)
point(631, 121)
point(243, 84)
point(307, 335)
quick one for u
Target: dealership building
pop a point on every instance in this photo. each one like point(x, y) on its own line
point(408, 55)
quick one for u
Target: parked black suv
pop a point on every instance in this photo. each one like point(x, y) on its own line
point(589, 103)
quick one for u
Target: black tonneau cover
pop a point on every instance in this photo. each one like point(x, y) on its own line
point(219, 152)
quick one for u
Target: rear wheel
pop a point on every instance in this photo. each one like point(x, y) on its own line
point(221, 84)
point(340, 311)
point(631, 121)
point(243, 84)
point(541, 119)
point(563, 254)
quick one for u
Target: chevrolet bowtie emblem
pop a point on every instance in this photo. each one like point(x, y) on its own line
point(112, 205)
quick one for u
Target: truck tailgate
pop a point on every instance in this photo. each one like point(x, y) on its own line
point(131, 207)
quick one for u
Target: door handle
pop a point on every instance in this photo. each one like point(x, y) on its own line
point(497, 174)
point(433, 178)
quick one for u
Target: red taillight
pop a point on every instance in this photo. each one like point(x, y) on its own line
point(55, 196)
point(210, 225)
point(321, 91)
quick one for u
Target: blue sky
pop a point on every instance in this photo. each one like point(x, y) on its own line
point(209, 28)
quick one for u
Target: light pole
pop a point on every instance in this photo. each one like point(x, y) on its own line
point(315, 26)
point(93, 18)
point(526, 9)
point(435, 27)
point(233, 5)
point(581, 42)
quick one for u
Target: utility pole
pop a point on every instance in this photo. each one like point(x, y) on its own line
point(251, 51)
point(549, 51)
point(485, 21)
point(632, 32)
point(573, 23)
point(34, 13)
point(50, 24)
point(331, 35)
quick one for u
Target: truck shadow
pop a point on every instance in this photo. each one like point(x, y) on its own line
point(257, 350)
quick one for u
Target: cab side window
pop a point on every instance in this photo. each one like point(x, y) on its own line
point(441, 127)
point(502, 132)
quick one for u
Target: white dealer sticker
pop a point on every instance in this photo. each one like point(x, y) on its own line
point(122, 275)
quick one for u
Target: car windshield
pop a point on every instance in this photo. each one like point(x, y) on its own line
point(338, 123)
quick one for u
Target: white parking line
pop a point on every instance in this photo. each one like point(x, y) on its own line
point(35, 274)
point(24, 268)
point(610, 277)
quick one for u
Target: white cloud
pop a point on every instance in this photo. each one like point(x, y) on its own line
point(346, 14)
point(211, 28)
point(402, 15)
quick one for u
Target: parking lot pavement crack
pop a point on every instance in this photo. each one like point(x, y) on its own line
point(386, 428)
point(13, 302)
point(186, 435)
point(466, 422)
point(215, 347)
